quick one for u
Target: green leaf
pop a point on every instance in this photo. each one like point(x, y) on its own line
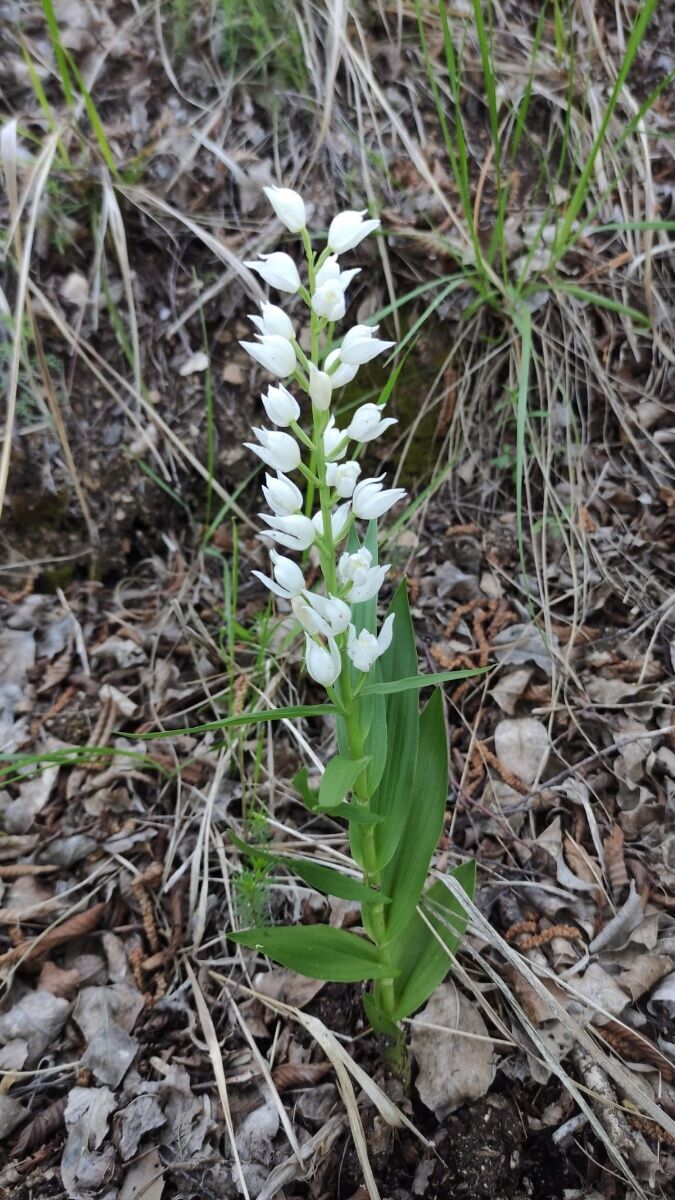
point(318, 876)
point(349, 812)
point(405, 874)
point(395, 790)
point(414, 683)
point(318, 951)
point(339, 778)
point(416, 952)
point(245, 718)
point(378, 1019)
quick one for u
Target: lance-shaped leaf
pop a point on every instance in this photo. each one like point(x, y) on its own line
point(395, 791)
point(317, 875)
point(339, 778)
point(405, 874)
point(318, 951)
point(348, 812)
point(422, 958)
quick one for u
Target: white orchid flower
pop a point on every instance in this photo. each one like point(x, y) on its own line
point(312, 622)
point(320, 388)
point(332, 610)
point(280, 451)
point(368, 423)
point(280, 406)
point(275, 353)
point(348, 228)
point(288, 581)
point(334, 441)
point(282, 495)
point(364, 650)
point(278, 270)
point(359, 345)
point(296, 531)
point(342, 477)
point(357, 572)
point(371, 500)
point(340, 372)
point(289, 207)
point(339, 520)
point(330, 286)
point(323, 663)
point(273, 319)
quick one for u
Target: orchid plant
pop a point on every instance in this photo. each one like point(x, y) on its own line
point(389, 777)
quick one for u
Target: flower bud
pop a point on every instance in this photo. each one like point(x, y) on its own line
point(343, 477)
point(360, 346)
point(371, 500)
point(279, 451)
point(275, 353)
point(334, 441)
point(320, 388)
point(277, 269)
point(348, 228)
point(280, 406)
point(273, 320)
point(323, 664)
point(282, 495)
point(367, 423)
point(365, 649)
point(289, 207)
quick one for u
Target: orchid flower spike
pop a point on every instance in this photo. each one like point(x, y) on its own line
point(348, 228)
point(368, 423)
point(289, 206)
point(277, 269)
point(288, 581)
point(323, 663)
point(279, 451)
point(365, 649)
point(275, 353)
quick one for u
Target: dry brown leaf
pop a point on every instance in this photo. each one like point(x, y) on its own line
point(11, 1114)
point(522, 747)
point(41, 1128)
point(299, 1075)
point(615, 865)
point(452, 1069)
point(645, 973)
point(57, 981)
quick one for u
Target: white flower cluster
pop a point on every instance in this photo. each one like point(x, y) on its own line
point(332, 478)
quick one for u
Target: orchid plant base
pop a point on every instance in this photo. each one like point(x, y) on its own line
point(389, 778)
